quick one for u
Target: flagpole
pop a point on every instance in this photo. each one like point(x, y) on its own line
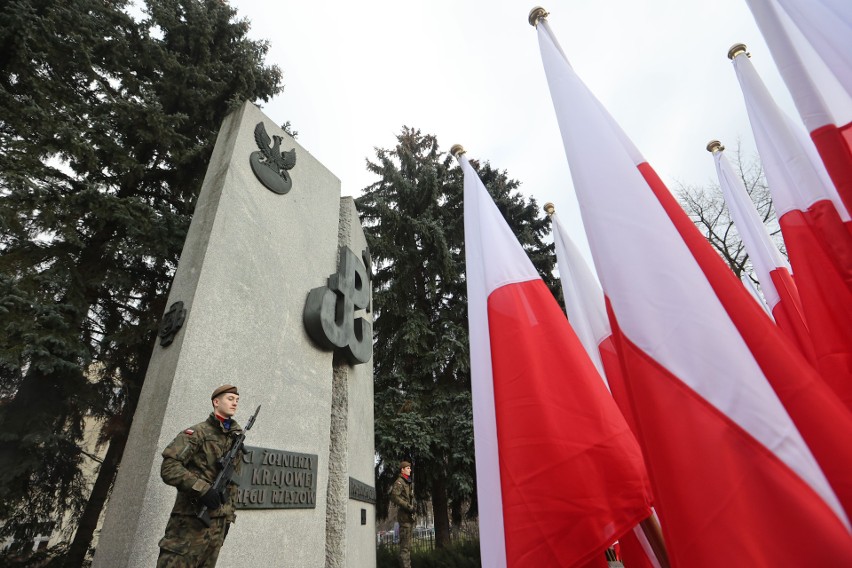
point(652, 531)
point(735, 50)
point(536, 14)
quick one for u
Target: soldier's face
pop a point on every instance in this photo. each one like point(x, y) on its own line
point(226, 405)
point(407, 471)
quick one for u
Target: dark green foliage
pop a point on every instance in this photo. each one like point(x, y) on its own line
point(386, 556)
point(414, 222)
point(458, 555)
point(463, 555)
point(106, 125)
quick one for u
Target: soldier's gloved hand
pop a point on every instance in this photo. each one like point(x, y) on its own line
point(211, 499)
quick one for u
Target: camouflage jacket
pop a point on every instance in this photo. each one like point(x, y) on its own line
point(402, 494)
point(189, 463)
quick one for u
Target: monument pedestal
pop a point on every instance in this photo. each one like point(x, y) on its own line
point(250, 259)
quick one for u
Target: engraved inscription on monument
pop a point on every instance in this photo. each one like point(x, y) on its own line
point(276, 479)
point(360, 491)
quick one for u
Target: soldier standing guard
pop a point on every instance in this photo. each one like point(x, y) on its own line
point(190, 464)
point(402, 494)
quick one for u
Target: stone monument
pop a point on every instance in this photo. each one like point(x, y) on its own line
point(272, 294)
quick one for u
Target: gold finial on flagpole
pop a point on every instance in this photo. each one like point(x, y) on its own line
point(536, 14)
point(736, 49)
point(715, 146)
point(457, 150)
point(549, 209)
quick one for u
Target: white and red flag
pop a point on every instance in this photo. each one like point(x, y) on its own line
point(586, 310)
point(584, 300)
point(810, 43)
point(815, 225)
point(559, 474)
point(769, 264)
point(734, 482)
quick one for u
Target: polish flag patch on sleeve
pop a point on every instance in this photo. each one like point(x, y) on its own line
point(189, 431)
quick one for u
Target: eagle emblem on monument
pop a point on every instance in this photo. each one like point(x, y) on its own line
point(270, 165)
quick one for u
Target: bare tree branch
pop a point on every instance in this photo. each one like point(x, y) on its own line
point(706, 206)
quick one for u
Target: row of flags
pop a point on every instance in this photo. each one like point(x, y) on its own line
point(809, 41)
point(672, 392)
point(815, 225)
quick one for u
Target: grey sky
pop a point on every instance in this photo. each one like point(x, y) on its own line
point(470, 73)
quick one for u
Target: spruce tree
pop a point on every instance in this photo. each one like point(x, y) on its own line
point(107, 122)
point(413, 218)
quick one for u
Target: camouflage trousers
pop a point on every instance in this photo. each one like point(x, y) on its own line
point(405, 531)
point(189, 544)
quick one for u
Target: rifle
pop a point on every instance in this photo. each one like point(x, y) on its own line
point(227, 465)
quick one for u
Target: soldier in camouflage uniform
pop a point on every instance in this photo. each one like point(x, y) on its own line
point(402, 494)
point(189, 463)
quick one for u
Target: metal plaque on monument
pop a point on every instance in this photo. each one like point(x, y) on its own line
point(272, 294)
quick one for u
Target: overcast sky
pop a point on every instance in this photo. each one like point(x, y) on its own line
point(470, 72)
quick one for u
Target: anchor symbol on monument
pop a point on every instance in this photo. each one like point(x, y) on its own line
point(329, 314)
point(270, 165)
